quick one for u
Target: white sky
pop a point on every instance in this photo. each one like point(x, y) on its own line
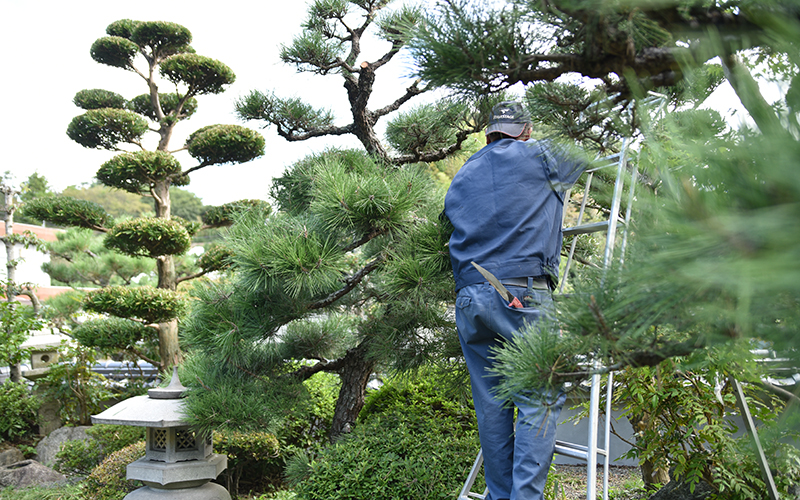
point(46, 62)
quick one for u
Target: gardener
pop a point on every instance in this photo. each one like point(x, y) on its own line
point(505, 205)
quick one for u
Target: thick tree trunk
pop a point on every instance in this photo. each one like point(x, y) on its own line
point(168, 348)
point(354, 373)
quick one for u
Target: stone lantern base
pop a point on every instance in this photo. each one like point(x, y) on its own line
point(209, 491)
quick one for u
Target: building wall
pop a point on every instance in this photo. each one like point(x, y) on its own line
point(29, 269)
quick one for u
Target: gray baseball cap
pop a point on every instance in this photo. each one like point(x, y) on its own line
point(508, 117)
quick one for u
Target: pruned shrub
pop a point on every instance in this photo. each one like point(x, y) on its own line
point(410, 443)
point(107, 480)
point(80, 456)
point(250, 455)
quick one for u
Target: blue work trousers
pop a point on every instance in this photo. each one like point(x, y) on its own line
point(515, 463)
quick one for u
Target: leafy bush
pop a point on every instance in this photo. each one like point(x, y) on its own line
point(79, 391)
point(80, 457)
point(252, 452)
point(107, 481)
point(18, 412)
point(682, 422)
point(410, 443)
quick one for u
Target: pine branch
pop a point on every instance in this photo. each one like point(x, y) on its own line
point(350, 284)
point(411, 91)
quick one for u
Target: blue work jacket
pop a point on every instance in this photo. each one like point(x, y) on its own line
point(506, 205)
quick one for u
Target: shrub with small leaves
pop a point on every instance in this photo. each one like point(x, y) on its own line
point(18, 412)
point(99, 98)
point(223, 215)
point(81, 456)
point(152, 305)
point(149, 237)
point(107, 480)
point(421, 447)
point(203, 75)
point(67, 211)
point(114, 51)
point(135, 172)
point(107, 127)
point(113, 333)
point(217, 144)
point(249, 454)
point(215, 258)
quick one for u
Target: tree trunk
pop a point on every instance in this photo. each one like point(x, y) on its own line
point(354, 373)
point(652, 476)
point(168, 348)
point(15, 372)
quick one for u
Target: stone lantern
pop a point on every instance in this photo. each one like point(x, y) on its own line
point(179, 462)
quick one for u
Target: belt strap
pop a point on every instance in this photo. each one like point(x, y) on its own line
point(529, 282)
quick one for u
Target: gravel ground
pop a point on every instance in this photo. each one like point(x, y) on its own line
point(624, 482)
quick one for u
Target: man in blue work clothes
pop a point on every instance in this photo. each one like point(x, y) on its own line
point(505, 205)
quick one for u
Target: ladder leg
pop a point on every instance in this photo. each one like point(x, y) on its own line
point(466, 491)
point(766, 474)
point(591, 459)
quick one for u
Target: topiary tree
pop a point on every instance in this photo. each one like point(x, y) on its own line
point(114, 123)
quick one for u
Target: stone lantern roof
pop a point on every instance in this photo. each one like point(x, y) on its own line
point(161, 407)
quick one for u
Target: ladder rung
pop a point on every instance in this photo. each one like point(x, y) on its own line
point(594, 227)
point(577, 451)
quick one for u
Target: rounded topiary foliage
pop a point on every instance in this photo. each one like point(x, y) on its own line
point(113, 333)
point(67, 211)
point(224, 215)
point(99, 98)
point(152, 305)
point(202, 74)
point(114, 51)
point(218, 144)
point(143, 105)
point(135, 172)
point(107, 481)
point(122, 28)
point(107, 127)
point(215, 258)
point(164, 38)
point(149, 237)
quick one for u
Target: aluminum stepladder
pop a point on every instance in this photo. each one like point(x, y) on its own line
point(591, 451)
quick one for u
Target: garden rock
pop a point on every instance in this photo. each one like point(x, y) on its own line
point(680, 490)
point(11, 456)
point(48, 447)
point(28, 473)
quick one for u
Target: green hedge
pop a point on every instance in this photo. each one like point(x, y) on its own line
point(18, 412)
point(410, 443)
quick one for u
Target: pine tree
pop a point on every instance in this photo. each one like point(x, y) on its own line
point(711, 264)
point(349, 276)
point(110, 122)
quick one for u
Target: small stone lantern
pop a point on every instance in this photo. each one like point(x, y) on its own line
point(179, 462)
